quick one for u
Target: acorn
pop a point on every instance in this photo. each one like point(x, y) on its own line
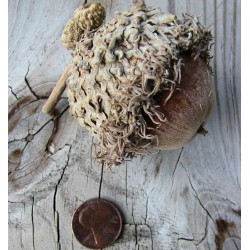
point(141, 80)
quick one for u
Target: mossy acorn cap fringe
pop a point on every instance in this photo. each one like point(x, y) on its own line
point(119, 68)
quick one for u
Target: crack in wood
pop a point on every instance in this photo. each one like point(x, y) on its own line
point(50, 156)
point(158, 164)
point(56, 213)
point(175, 167)
point(72, 242)
point(28, 84)
point(205, 234)
point(17, 202)
point(173, 233)
point(146, 213)
point(20, 90)
point(126, 182)
point(151, 234)
point(32, 222)
point(31, 136)
point(13, 93)
point(38, 97)
point(187, 239)
point(176, 164)
point(132, 212)
point(203, 207)
point(28, 139)
point(100, 184)
point(39, 130)
point(136, 240)
point(195, 242)
point(196, 195)
point(58, 230)
point(54, 130)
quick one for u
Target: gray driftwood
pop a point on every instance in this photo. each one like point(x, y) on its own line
point(182, 199)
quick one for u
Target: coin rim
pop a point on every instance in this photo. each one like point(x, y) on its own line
point(102, 200)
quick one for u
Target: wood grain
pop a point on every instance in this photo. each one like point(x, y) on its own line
point(181, 199)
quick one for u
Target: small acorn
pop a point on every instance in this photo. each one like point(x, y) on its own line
point(140, 80)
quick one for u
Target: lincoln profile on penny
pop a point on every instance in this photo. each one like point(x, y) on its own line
point(89, 219)
point(94, 221)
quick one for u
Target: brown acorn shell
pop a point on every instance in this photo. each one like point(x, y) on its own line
point(188, 108)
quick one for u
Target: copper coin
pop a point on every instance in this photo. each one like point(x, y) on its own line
point(97, 223)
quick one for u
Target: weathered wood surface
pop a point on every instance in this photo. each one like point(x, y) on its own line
point(181, 199)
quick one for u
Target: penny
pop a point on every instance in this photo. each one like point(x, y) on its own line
point(97, 223)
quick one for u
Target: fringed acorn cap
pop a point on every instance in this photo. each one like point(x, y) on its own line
point(87, 17)
point(119, 69)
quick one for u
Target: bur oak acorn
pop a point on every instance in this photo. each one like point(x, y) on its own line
point(138, 81)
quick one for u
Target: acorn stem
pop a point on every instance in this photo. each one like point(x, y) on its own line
point(202, 131)
point(56, 92)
